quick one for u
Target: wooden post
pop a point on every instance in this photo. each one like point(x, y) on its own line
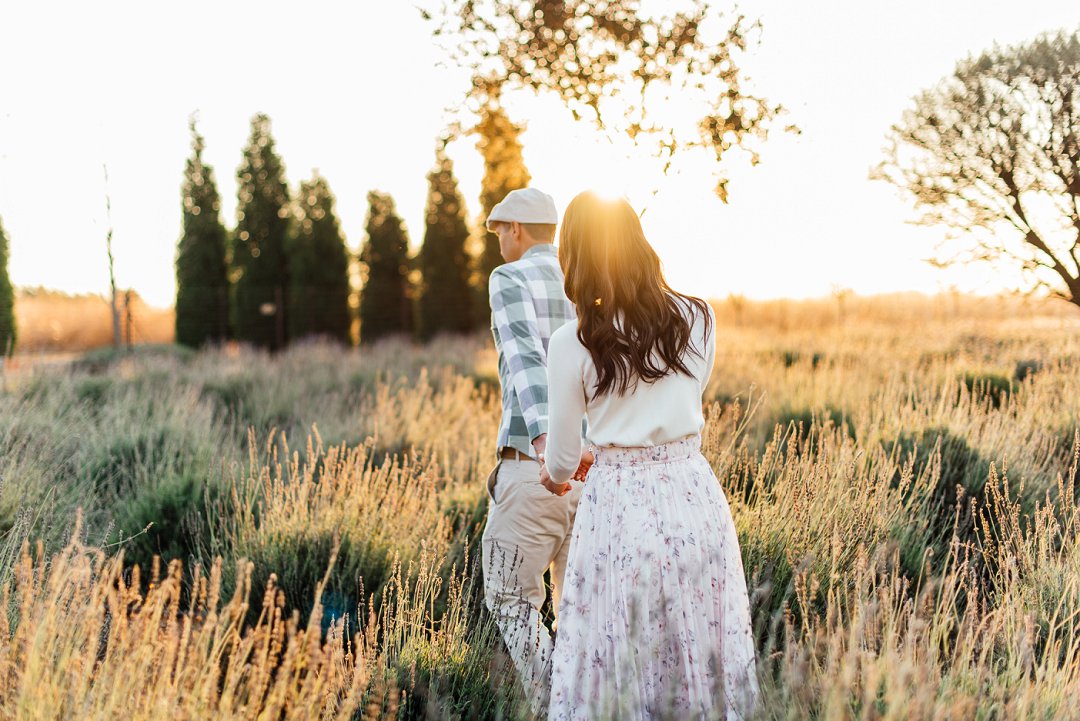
point(108, 250)
point(129, 318)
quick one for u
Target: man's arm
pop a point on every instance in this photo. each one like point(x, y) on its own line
point(514, 319)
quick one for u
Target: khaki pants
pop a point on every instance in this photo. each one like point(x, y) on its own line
point(528, 529)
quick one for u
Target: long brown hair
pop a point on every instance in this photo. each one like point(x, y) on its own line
point(610, 269)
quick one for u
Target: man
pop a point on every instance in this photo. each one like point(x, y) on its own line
point(528, 529)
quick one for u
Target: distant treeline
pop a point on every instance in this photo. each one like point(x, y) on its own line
point(284, 272)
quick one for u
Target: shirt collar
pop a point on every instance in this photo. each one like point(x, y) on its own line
point(540, 248)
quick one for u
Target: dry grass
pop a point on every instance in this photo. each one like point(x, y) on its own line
point(897, 309)
point(49, 321)
point(52, 321)
point(89, 641)
point(903, 489)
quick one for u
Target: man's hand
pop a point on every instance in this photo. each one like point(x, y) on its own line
point(539, 444)
point(559, 489)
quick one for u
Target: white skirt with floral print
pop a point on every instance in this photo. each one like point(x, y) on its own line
point(654, 621)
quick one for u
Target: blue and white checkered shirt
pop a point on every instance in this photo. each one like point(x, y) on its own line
point(527, 305)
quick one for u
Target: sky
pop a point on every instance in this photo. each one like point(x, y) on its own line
point(359, 91)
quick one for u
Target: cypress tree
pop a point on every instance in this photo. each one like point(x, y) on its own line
point(202, 285)
point(259, 263)
point(445, 296)
point(7, 301)
point(504, 170)
point(385, 300)
point(318, 267)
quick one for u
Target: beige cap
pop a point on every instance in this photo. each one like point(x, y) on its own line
point(527, 205)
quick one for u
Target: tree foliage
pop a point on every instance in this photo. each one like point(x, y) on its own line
point(318, 260)
point(8, 333)
point(259, 264)
point(202, 287)
point(386, 298)
point(445, 295)
point(992, 153)
point(504, 170)
point(612, 63)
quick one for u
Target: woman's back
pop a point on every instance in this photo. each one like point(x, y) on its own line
point(648, 413)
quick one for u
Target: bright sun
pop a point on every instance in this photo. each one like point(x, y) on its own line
point(609, 180)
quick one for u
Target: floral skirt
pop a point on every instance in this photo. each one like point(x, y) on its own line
point(654, 621)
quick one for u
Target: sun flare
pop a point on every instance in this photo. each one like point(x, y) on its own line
point(609, 189)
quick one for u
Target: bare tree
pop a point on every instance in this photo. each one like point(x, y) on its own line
point(992, 153)
point(615, 65)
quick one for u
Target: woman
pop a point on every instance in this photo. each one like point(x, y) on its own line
point(654, 621)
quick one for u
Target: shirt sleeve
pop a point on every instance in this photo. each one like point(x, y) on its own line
point(566, 388)
point(514, 319)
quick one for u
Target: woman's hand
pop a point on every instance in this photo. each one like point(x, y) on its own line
point(587, 459)
point(559, 489)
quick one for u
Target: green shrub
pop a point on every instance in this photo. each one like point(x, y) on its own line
point(1064, 440)
point(363, 382)
point(175, 509)
point(127, 459)
point(798, 426)
point(992, 386)
point(791, 357)
point(946, 471)
point(231, 393)
point(461, 669)
point(931, 358)
point(487, 381)
point(1026, 369)
point(93, 389)
point(102, 359)
point(98, 360)
point(245, 401)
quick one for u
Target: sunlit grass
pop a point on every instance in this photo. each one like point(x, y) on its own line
point(910, 535)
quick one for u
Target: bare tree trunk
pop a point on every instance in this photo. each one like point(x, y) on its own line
point(112, 274)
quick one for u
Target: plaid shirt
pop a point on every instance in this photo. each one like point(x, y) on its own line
point(527, 305)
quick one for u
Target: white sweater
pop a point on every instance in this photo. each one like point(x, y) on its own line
point(647, 415)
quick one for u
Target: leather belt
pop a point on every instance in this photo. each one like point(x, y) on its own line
point(513, 454)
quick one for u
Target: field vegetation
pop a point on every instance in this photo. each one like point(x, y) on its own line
point(232, 534)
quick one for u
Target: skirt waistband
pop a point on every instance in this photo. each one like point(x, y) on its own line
point(638, 455)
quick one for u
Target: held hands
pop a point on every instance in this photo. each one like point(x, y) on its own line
point(561, 489)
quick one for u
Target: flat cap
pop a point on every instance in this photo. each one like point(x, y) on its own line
point(527, 205)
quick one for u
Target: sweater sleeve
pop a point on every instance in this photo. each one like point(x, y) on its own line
point(566, 405)
point(710, 348)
